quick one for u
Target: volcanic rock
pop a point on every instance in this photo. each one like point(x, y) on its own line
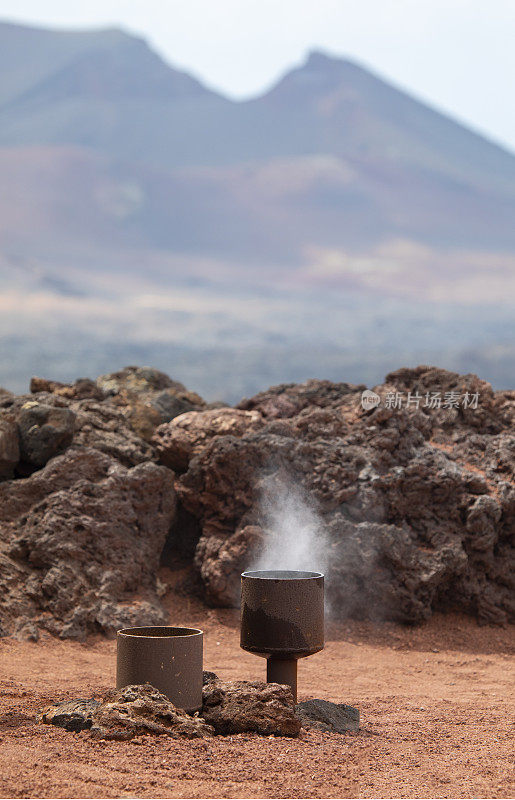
point(106, 428)
point(149, 396)
point(179, 440)
point(418, 502)
point(289, 399)
point(81, 389)
point(9, 447)
point(26, 631)
point(241, 706)
point(78, 539)
point(44, 432)
point(323, 715)
point(136, 380)
point(126, 713)
point(134, 710)
point(102, 425)
point(72, 715)
point(220, 560)
point(139, 398)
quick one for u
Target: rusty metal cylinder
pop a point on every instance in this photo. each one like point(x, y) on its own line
point(170, 659)
point(282, 670)
point(282, 619)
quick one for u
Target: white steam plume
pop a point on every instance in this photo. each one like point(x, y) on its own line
point(294, 533)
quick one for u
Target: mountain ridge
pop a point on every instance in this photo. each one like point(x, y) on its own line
point(316, 61)
point(329, 164)
point(315, 56)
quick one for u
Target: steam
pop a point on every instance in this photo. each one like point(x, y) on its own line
point(294, 533)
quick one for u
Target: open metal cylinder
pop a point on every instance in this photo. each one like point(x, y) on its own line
point(168, 658)
point(282, 619)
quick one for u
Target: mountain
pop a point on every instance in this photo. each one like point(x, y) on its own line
point(122, 176)
point(330, 156)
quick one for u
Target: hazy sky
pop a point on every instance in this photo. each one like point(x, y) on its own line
point(457, 54)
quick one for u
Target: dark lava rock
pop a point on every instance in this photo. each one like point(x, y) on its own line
point(240, 706)
point(78, 540)
point(44, 432)
point(9, 446)
point(72, 715)
point(126, 713)
point(418, 503)
point(326, 716)
point(134, 710)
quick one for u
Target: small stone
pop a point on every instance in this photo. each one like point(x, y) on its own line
point(240, 706)
point(323, 715)
point(139, 709)
point(72, 715)
point(126, 713)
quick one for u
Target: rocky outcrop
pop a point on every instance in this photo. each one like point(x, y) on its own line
point(242, 706)
point(46, 424)
point(108, 415)
point(416, 498)
point(79, 539)
point(81, 389)
point(143, 397)
point(418, 502)
point(84, 511)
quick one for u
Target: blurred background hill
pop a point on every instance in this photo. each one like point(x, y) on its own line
point(333, 226)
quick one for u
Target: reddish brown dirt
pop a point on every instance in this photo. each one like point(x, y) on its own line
point(436, 704)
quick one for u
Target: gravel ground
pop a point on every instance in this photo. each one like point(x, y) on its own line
point(436, 702)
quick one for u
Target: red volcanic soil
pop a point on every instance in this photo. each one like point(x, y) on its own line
point(436, 702)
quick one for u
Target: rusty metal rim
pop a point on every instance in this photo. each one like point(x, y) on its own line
point(279, 574)
point(173, 632)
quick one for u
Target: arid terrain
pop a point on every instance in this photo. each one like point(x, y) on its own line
point(436, 705)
